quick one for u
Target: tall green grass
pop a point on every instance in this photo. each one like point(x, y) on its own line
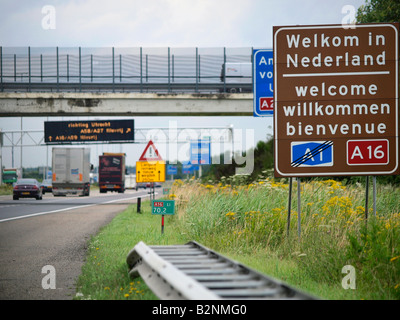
point(6, 189)
point(248, 222)
point(105, 272)
point(251, 220)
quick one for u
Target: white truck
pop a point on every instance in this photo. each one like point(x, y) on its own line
point(130, 181)
point(71, 171)
point(238, 76)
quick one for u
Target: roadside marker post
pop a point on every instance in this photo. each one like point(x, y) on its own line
point(163, 207)
point(139, 202)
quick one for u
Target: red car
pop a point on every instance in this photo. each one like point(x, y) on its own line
point(27, 188)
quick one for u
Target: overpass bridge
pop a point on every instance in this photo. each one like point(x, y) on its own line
point(125, 81)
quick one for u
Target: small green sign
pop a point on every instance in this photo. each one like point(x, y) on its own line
point(166, 190)
point(162, 207)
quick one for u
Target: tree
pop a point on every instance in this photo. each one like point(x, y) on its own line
point(263, 160)
point(379, 11)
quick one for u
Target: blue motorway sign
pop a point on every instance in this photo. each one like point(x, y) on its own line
point(172, 169)
point(188, 168)
point(263, 90)
point(200, 152)
point(312, 153)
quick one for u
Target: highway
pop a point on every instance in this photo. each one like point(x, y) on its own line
point(55, 231)
point(30, 207)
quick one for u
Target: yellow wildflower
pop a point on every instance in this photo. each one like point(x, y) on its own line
point(394, 258)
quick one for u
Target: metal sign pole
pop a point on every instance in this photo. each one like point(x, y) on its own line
point(374, 193)
point(298, 208)
point(139, 202)
point(366, 197)
point(289, 205)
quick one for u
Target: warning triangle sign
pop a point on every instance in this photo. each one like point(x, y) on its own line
point(150, 153)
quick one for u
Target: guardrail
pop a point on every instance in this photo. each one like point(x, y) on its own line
point(194, 272)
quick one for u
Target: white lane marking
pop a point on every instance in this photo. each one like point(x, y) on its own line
point(70, 208)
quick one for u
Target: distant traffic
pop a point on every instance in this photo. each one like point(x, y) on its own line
point(72, 174)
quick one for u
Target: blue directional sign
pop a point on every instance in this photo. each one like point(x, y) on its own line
point(187, 168)
point(172, 169)
point(200, 152)
point(312, 153)
point(263, 90)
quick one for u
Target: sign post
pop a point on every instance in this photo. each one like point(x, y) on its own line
point(336, 107)
point(200, 153)
point(150, 167)
point(171, 170)
point(163, 207)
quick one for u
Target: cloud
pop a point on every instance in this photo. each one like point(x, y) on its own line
point(129, 23)
point(160, 23)
point(152, 22)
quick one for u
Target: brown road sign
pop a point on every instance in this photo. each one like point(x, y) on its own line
point(336, 100)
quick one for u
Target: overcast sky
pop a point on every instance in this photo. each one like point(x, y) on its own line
point(155, 23)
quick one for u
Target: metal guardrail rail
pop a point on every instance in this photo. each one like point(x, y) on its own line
point(194, 272)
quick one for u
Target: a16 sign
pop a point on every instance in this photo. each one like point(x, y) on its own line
point(367, 152)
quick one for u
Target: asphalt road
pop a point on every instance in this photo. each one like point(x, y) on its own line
point(51, 232)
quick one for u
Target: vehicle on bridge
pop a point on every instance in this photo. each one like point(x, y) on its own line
point(237, 76)
point(27, 188)
point(144, 70)
point(71, 171)
point(112, 172)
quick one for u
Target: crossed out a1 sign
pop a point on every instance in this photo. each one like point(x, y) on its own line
point(336, 108)
point(263, 91)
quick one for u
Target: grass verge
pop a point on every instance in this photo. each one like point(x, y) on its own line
point(248, 223)
point(105, 273)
